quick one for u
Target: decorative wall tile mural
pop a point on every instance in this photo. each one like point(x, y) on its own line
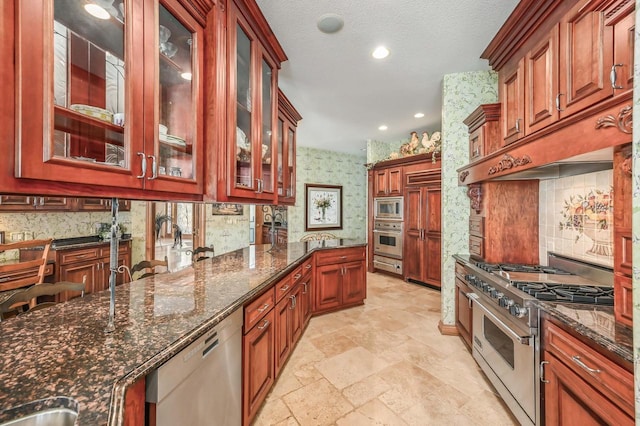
point(461, 94)
point(576, 216)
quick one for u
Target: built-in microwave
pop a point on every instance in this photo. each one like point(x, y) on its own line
point(388, 208)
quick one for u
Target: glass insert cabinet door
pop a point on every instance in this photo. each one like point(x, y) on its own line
point(253, 144)
point(86, 92)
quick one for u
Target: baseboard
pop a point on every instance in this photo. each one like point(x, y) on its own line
point(447, 330)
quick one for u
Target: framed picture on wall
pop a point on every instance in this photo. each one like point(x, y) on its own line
point(226, 209)
point(323, 207)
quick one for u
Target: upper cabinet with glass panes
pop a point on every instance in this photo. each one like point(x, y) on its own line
point(253, 59)
point(109, 94)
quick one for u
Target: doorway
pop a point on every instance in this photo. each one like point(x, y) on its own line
point(173, 230)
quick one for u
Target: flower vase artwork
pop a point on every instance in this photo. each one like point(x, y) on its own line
point(591, 215)
point(322, 204)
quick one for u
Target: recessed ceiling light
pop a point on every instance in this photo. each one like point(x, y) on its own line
point(419, 115)
point(330, 23)
point(96, 11)
point(380, 52)
point(383, 127)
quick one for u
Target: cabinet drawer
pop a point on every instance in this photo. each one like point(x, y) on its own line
point(296, 276)
point(283, 286)
point(460, 271)
point(307, 266)
point(339, 256)
point(476, 246)
point(67, 257)
point(609, 378)
point(476, 226)
point(256, 310)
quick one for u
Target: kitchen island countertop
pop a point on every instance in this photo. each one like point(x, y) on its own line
point(63, 351)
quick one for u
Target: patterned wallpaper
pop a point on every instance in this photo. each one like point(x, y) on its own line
point(227, 233)
point(378, 151)
point(461, 94)
point(332, 168)
point(576, 213)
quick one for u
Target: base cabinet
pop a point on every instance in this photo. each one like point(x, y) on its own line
point(340, 279)
point(464, 307)
point(258, 365)
point(581, 385)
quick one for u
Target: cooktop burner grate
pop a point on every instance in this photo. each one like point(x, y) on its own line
point(567, 293)
point(516, 267)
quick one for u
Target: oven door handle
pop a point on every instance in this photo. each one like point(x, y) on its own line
point(524, 340)
point(384, 263)
point(378, 231)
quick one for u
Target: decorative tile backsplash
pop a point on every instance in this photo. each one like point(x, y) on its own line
point(576, 215)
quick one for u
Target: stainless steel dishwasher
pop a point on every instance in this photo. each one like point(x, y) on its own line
point(202, 385)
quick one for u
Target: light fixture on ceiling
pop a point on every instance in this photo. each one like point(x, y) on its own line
point(380, 52)
point(330, 23)
point(383, 127)
point(419, 115)
point(96, 11)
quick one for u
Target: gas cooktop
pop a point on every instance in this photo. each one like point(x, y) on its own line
point(516, 267)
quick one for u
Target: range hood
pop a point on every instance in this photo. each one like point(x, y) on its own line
point(591, 162)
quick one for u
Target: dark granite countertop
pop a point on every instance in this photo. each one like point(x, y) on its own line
point(595, 322)
point(63, 351)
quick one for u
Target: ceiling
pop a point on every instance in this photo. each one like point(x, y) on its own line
point(344, 95)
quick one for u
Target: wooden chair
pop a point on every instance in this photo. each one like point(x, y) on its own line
point(24, 273)
point(200, 253)
point(20, 298)
point(147, 267)
point(318, 236)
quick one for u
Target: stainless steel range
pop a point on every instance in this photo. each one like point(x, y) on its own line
point(506, 341)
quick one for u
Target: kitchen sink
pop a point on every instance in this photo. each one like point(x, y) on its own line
point(56, 411)
point(49, 417)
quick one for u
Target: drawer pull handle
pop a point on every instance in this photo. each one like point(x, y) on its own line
point(264, 308)
point(308, 266)
point(578, 361)
point(285, 288)
point(264, 325)
point(297, 276)
point(343, 257)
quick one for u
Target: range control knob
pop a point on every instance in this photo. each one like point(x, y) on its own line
point(488, 289)
point(505, 302)
point(517, 310)
point(469, 277)
point(495, 293)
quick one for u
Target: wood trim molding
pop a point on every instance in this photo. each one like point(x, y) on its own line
point(404, 161)
point(287, 107)
point(475, 195)
point(623, 121)
point(463, 175)
point(508, 161)
point(448, 330)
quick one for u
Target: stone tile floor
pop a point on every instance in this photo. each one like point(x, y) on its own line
point(384, 363)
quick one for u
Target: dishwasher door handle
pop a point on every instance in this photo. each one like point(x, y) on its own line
point(210, 348)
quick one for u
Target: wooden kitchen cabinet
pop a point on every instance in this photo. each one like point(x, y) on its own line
point(93, 262)
point(541, 84)
point(624, 24)
point(283, 329)
point(253, 60)
point(288, 118)
point(582, 386)
point(340, 279)
point(484, 131)
point(103, 64)
point(258, 364)
point(388, 182)
point(20, 203)
point(511, 91)
point(422, 238)
point(464, 307)
point(586, 57)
